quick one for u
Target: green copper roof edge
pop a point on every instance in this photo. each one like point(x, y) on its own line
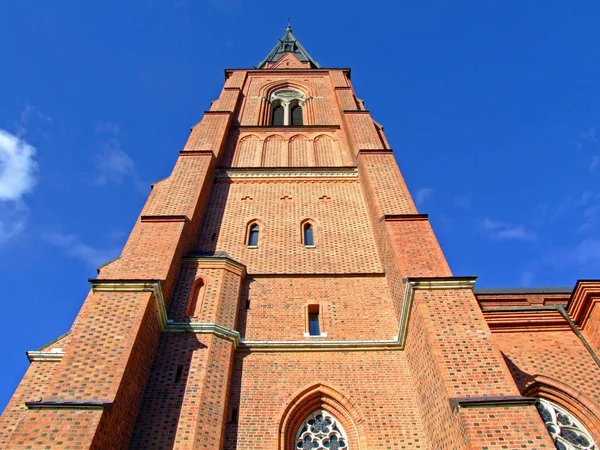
point(293, 38)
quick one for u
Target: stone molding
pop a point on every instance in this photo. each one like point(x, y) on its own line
point(429, 283)
point(215, 262)
point(318, 346)
point(52, 355)
point(394, 344)
point(486, 402)
point(204, 328)
point(135, 286)
point(288, 172)
point(583, 300)
point(69, 404)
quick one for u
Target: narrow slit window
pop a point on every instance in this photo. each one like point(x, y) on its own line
point(278, 115)
point(178, 374)
point(309, 238)
point(253, 236)
point(314, 329)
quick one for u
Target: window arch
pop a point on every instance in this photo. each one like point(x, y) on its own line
point(278, 113)
point(253, 234)
point(321, 431)
point(308, 234)
point(566, 431)
point(195, 299)
point(295, 113)
point(287, 104)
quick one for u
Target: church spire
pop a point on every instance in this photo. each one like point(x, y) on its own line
point(288, 44)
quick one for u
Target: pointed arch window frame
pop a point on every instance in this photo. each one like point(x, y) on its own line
point(305, 225)
point(252, 237)
point(196, 298)
point(287, 97)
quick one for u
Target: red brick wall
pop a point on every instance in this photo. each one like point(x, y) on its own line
point(556, 354)
point(378, 384)
point(592, 327)
point(343, 239)
point(278, 308)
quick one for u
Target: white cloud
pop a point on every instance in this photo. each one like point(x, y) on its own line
point(591, 219)
point(505, 231)
point(591, 135)
point(595, 163)
point(583, 256)
point(587, 252)
point(18, 171)
point(106, 128)
point(74, 247)
point(422, 195)
point(462, 202)
point(13, 218)
point(17, 167)
point(31, 112)
point(113, 166)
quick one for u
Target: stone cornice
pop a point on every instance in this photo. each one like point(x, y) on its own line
point(428, 283)
point(314, 275)
point(402, 217)
point(216, 261)
point(36, 355)
point(287, 172)
point(486, 402)
point(584, 299)
point(204, 328)
point(158, 218)
point(523, 319)
point(99, 285)
point(69, 404)
point(318, 346)
point(286, 128)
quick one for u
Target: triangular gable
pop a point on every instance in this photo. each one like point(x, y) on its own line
point(289, 61)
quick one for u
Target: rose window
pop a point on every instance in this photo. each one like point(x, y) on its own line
point(320, 431)
point(566, 431)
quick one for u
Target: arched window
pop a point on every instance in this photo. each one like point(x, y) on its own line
point(296, 114)
point(321, 431)
point(278, 114)
point(566, 431)
point(290, 101)
point(308, 235)
point(195, 298)
point(253, 235)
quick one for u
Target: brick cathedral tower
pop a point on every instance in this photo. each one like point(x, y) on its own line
point(280, 291)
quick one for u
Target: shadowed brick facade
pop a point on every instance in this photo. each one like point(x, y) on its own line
point(198, 338)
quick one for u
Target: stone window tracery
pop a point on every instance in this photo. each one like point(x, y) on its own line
point(566, 431)
point(321, 431)
point(287, 105)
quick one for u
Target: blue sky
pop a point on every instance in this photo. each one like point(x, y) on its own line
point(492, 109)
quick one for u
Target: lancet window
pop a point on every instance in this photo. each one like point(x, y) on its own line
point(287, 105)
point(308, 235)
point(253, 235)
point(321, 431)
point(566, 431)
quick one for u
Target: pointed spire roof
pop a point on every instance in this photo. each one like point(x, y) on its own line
point(288, 44)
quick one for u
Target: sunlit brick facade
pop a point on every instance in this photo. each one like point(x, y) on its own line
point(280, 290)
